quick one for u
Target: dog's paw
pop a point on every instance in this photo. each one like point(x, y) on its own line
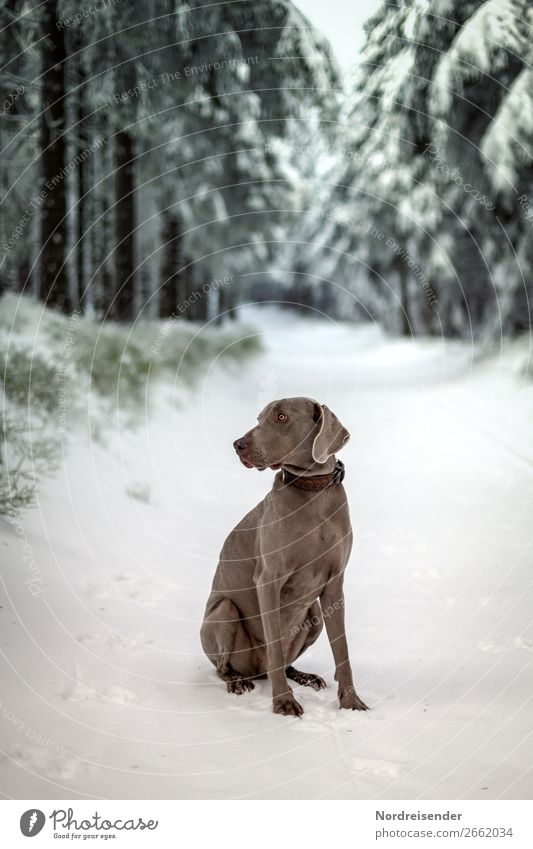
point(239, 685)
point(314, 681)
point(349, 699)
point(306, 679)
point(287, 705)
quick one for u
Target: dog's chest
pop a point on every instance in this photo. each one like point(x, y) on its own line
point(305, 584)
point(304, 544)
point(310, 564)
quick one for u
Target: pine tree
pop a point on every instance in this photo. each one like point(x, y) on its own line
point(437, 84)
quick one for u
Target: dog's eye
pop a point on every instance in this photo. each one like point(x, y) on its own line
point(281, 417)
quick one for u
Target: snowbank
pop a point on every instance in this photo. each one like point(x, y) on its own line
point(106, 692)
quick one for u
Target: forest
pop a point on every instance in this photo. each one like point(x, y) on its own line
point(205, 207)
point(149, 150)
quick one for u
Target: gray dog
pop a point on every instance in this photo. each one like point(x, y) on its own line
point(281, 569)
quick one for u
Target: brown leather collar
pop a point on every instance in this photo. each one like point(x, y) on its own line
point(314, 483)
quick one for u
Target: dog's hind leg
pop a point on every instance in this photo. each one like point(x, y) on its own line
point(221, 631)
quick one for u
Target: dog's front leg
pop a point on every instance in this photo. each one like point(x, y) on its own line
point(268, 591)
point(332, 604)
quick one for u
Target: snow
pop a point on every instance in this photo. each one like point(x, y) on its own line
point(106, 692)
point(396, 75)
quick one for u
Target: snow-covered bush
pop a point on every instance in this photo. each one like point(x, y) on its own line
point(28, 380)
point(28, 441)
point(52, 364)
point(113, 358)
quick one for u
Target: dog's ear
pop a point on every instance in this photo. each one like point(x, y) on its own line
point(331, 436)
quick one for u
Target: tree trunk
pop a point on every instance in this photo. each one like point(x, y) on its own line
point(476, 295)
point(144, 285)
point(405, 309)
point(96, 236)
point(521, 318)
point(199, 309)
point(326, 300)
point(227, 302)
point(54, 277)
point(125, 226)
point(171, 241)
point(83, 251)
point(430, 317)
point(103, 218)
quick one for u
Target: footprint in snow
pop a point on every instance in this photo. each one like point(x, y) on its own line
point(114, 641)
point(44, 761)
point(503, 644)
point(377, 767)
point(142, 590)
point(108, 693)
point(99, 691)
point(95, 590)
point(322, 713)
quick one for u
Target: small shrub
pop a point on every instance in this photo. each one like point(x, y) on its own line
point(28, 380)
point(25, 455)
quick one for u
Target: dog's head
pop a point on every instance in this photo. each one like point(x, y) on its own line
point(298, 432)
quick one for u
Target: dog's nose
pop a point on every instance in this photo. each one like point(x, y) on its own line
point(240, 445)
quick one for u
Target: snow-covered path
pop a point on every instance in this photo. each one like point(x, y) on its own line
point(105, 691)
